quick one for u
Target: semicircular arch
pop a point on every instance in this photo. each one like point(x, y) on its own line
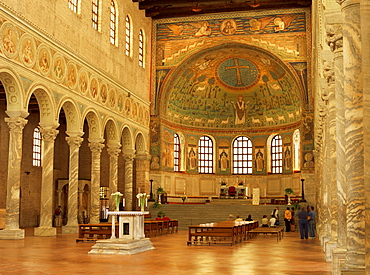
point(232, 85)
point(94, 123)
point(14, 92)
point(72, 114)
point(45, 102)
point(111, 131)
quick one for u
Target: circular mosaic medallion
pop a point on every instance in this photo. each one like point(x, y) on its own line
point(237, 73)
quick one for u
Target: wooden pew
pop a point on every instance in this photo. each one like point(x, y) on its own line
point(228, 232)
point(94, 232)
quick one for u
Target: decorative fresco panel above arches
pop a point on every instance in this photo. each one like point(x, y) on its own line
point(232, 86)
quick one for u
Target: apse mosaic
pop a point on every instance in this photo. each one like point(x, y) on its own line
point(232, 86)
point(233, 71)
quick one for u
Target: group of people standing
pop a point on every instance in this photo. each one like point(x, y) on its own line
point(306, 221)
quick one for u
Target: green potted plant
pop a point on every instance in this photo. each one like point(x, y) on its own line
point(288, 192)
point(160, 193)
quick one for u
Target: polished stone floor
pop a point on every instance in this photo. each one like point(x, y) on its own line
point(261, 255)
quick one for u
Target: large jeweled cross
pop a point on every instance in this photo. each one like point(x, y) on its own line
point(237, 67)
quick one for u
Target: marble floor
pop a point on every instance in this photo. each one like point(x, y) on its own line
point(261, 255)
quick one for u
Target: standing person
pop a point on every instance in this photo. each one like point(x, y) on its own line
point(58, 216)
point(275, 214)
point(311, 222)
point(287, 219)
point(292, 221)
point(303, 223)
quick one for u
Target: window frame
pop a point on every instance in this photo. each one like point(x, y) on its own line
point(73, 5)
point(141, 48)
point(95, 14)
point(277, 155)
point(176, 153)
point(36, 147)
point(205, 155)
point(128, 34)
point(113, 23)
point(242, 161)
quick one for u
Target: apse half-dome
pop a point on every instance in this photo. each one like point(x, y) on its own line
point(231, 86)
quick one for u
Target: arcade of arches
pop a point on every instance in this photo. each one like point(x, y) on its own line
point(185, 104)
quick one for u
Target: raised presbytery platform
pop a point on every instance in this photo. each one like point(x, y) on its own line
point(131, 238)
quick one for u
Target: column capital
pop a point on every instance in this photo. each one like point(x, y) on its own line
point(96, 147)
point(143, 156)
point(74, 141)
point(16, 123)
point(48, 134)
point(334, 37)
point(114, 151)
point(129, 157)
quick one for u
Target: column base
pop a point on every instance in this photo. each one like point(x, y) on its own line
point(121, 246)
point(45, 231)
point(352, 271)
point(12, 234)
point(329, 246)
point(338, 258)
point(70, 229)
point(323, 240)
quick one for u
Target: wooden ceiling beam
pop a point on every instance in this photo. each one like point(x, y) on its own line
point(189, 10)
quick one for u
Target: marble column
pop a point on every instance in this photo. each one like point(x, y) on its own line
point(74, 142)
point(336, 45)
point(354, 136)
point(365, 41)
point(48, 135)
point(113, 151)
point(96, 148)
point(129, 163)
point(142, 161)
point(12, 230)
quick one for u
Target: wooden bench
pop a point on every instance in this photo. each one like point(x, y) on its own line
point(228, 232)
point(157, 228)
point(279, 231)
point(94, 232)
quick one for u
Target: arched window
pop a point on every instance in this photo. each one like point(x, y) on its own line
point(296, 150)
point(176, 153)
point(36, 148)
point(128, 36)
point(73, 4)
point(276, 155)
point(113, 23)
point(205, 155)
point(95, 14)
point(242, 155)
point(141, 49)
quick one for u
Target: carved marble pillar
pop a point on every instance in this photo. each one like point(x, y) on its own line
point(96, 148)
point(74, 143)
point(338, 254)
point(142, 172)
point(129, 162)
point(48, 135)
point(354, 136)
point(12, 231)
point(365, 40)
point(113, 151)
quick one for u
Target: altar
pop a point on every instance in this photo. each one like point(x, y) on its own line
point(131, 238)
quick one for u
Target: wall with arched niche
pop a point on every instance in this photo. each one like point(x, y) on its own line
point(227, 75)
